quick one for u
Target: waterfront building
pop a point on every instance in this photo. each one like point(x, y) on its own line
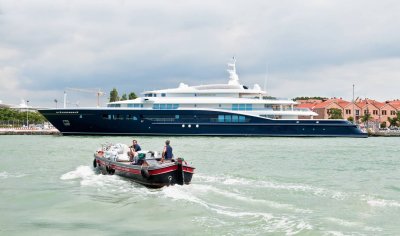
point(379, 111)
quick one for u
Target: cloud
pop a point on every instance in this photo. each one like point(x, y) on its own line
point(141, 45)
point(8, 81)
point(376, 79)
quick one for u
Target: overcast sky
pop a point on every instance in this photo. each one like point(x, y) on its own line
point(300, 48)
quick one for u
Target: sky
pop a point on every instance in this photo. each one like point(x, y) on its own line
point(292, 48)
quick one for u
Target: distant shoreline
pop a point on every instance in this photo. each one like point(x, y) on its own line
point(22, 131)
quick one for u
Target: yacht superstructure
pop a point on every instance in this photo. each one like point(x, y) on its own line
point(232, 96)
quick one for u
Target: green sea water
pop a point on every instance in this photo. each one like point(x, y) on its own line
point(242, 186)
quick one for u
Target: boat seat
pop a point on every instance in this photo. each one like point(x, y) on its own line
point(123, 158)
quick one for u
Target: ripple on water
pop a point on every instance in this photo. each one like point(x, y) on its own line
point(318, 191)
point(266, 222)
point(6, 175)
point(106, 184)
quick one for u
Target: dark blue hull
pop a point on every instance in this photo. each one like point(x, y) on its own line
point(109, 121)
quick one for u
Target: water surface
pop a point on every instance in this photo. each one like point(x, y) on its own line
point(242, 186)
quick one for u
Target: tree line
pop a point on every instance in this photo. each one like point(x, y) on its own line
point(309, 98)
point(114, 97)
point(16, 116)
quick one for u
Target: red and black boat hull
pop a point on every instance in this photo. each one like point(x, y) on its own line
point(150, 176)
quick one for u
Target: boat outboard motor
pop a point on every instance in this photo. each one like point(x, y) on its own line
point(180, 175)
point(145, 172)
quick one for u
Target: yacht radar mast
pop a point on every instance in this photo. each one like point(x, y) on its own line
point(233, 76)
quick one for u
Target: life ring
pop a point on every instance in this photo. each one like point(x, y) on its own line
point(94, 163)
point(145, 173)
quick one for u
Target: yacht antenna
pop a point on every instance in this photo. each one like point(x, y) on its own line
point(65, 99)
point(266, 78)
point(233, 76)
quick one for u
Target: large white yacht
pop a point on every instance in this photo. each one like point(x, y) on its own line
point(215, 109)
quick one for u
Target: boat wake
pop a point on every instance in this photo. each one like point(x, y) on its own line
point(111, 184)
point(293, 216)
point(6, 175)
point(318, 191)
point(377, 202)
point(234, 206)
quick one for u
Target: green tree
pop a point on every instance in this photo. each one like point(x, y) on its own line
point(392, 121)
point(351, 119)
point(335, 113)
point(132, 96)
point(366, 117)
point(308, 98)
point(383, 125)
point(398, 116)
point(124, 97)
point(114, 95)
point(19, 116)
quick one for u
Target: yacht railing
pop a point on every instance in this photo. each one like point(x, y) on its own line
point(268, 109)
point(196, 120)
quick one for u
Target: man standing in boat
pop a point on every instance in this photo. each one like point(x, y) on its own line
point(167, 152)
point(134, 149)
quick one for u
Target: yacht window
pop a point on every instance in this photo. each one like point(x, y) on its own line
point(235, 118)
point(114, 105)
point(242, 107)
point(165, 106)
point(155, 95)
point(106, 117)
point(135, 105)
point(242, 119)
point(118, 117)
point(221, 118)
point(129, 117)
point(163, 95)
point(228, 118)
point(176, 116)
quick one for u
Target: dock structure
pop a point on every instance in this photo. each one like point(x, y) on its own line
point(26, 131)
point(385, 133)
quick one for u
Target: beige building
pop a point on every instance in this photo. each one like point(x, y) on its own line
point(379, 111)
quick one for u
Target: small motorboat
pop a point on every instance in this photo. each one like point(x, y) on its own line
point(146, 169)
